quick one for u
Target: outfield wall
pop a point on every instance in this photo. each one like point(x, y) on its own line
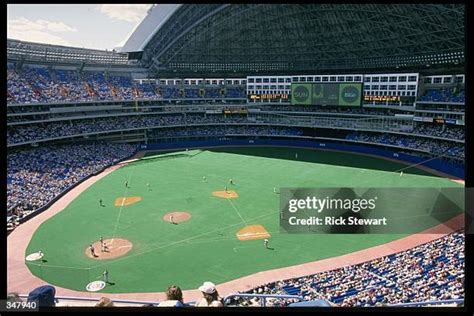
point(437, 164)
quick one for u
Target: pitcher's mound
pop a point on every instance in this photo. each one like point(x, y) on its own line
point(116, 247)
point(178, 217)
point(127, 200)
point(252, 232)
point(226, 195)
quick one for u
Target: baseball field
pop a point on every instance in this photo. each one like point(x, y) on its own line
point(174, 222)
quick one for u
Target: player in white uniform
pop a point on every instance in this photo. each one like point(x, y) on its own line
point(265, 243)
point(105, 276)
point(171, 219)
point(401, 173)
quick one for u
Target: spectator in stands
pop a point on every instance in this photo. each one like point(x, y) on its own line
point(44, 295)
point(210, 296)
point(13, 297)
point(105, 302)
point(174, 297)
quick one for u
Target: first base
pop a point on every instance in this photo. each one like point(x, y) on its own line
point(95, 286)
point(34, 256)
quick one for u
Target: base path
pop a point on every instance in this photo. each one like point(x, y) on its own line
point(178, 217)
point(229, 194)
point(116, 247)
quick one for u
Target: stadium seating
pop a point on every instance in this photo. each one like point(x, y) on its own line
point(430, 272)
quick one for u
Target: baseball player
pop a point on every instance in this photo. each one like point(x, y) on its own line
point(265, 243)
point(104, 248)
point(171, 219)
point(40, 253)
point(126, 184)
point(225, 189)
point(401, 173)
point(105, 276)
point(204, 179)
point(274, 190)
point(231, 181)
point(101, 202)
point(101, 239)
point(92, 251)
point(296, 156)
point(148, 186)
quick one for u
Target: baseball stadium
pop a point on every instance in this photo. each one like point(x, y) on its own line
point(155, 174)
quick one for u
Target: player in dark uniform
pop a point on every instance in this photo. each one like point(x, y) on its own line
point(91, 248)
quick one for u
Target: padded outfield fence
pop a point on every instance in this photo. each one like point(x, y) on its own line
point(437, 163)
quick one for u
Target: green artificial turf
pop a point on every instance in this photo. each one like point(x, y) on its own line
point(205, 248)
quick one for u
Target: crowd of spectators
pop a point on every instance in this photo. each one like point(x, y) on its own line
point(434, 146)
point(36, 176)
point(453, 94)
point(36, 84)
point(223, 130)
point(26, 133)
point(443, 131)
point(430, 272)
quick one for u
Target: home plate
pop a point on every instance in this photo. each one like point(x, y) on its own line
point(34, 256)
point(95, 286)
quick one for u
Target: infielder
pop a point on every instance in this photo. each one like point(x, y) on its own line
point(225, 189)
point(105, 276)
point(171, 219)
point(104, 248)
point(92, 251)
point(265, 243)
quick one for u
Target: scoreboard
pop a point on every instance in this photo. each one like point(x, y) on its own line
point(333, 94)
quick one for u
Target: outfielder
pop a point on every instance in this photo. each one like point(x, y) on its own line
point(231, 181)
point(148, 186)
point(401, 173)
point(265, 243)
point(204, 179)
point(126, 184)
point(101, 202)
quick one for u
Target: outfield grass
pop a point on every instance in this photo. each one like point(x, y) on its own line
point(205, 248)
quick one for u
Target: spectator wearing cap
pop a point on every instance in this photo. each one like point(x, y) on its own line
point(174, 297)
point(44, 296)
point(105, 302)
point(210, 296)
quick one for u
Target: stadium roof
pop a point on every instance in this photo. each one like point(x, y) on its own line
point(223, 38)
